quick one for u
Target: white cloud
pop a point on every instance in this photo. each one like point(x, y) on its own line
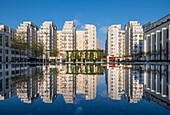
point(77, 22)
point(103, 29)
point(79, 25)
point(82, 27)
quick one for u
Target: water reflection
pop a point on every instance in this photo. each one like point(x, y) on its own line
point(124, 80)
point(134, 82)
point(46, 81)
point(129, 82)
point(157, 84)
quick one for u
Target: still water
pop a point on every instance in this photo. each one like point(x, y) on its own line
point(84, 89)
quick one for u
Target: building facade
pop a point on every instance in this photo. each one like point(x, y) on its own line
point(66, 38)
point(115, 47)
point(28, 31)
point(6, 36)
point(90, 37)
point(157, 40)
point(48, 36)
point(80, 40)
point(133, 40)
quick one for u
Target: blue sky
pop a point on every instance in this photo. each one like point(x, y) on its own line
point(101, 13)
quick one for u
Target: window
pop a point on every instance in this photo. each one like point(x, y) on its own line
point(6, 59)
point(0, 85)
point(6, 41)
point(167, 33)
point(7, 73)
point(0, 39)
point(160, 36)
point(6, 66)
point(6, 51)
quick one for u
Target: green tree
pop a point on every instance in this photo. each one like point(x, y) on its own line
point(86, 55)
point(20, 43)
point(77, 57)
point(91, 55)
point(67, 56)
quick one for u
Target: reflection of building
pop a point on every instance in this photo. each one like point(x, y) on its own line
point(8, 75)
point(30, 82)
point(124, 81)
point(69, 85)
point(133, 85)
point(66, 85)
point(115, 78)
point(90, 86)
point(27, 88)
point(150, 81)
point(5, 83)
point(157, 85)
point(47, 87)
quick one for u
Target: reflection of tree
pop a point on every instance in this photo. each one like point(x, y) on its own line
point(55, 53)
point(85, 69)
point(24, 77)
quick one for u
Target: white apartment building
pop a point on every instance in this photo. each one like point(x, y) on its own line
point(47, 34)
point(134, 40)
point(157, 40)
point(115, 42)
point(68, 37)
point(6, 35)
point(86, 39)
point(90, 37)
point(28, 31)
point(80, 40)
point(97, 43)
point(7, 51)
point(59, 40)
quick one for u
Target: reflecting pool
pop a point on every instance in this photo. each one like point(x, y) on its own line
point(84, 89)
